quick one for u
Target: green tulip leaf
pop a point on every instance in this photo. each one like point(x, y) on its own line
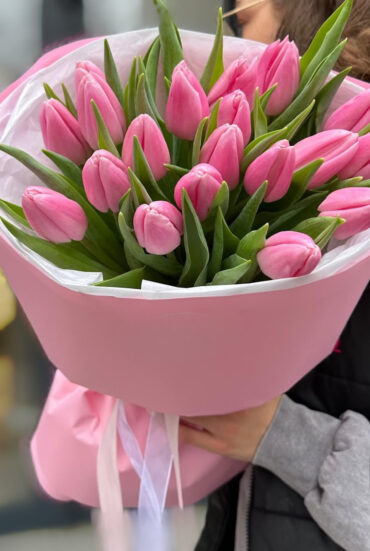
point(212, 122)
point(198, 141)
point(111, 74)
point(196, 248)
point(63, 255)
point(244, 222)
point(265, 98)
point(139, 193)
point(142, 102)
point(320, 228)
point(215, 65)
point(221, 201)
point(249, 247)
point(231, 276)
point(15, 211)
point(177, 170)
point(258, 146)
point(151, 61)
point(302, 210)
point(225, 243)
point(171, 47)
point(68, 168)
point(104, 138)
point(68, 101)
point(259, 119)
point(129, 94)
point(129, 280)
point(144, 172)
point(365, 130)
point(324, 42)
point(49, 92)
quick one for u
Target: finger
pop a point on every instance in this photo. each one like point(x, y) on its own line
point(209, 422)
point(200, 439)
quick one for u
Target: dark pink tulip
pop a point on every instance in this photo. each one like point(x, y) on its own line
point(289, 254)
point(61, 132)
point(202, 184)
point(91, 85)
point(353, 115)
point(158, 227)
point(279, 64)
point(240, 75)
point(53, 216)
point(336, 147)
point(276, 166)
point(359, 165)
point(105, 180)
point(187, 103)
point(224, 151)
point(152, 142)
point(352, 204)
point(234, 109)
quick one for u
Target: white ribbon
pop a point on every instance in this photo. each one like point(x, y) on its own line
point(154, 471)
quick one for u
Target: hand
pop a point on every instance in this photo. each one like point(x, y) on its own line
point(236, 435)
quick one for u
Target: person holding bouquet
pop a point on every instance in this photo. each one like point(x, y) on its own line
point(308, 488)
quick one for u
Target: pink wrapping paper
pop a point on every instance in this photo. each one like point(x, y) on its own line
point(65, 449)
point(196, 352)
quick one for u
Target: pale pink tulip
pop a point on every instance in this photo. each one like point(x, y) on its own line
point(53, 216)
point(201, 184)
point(336, 147)
point(105, 180)
point(234, 109)
point(187, 103)
point(158, 227)
point(352, 204)
point(224, 151)
point(288, 254)
point(61, 132)
point(152, 142)
point(276, 166)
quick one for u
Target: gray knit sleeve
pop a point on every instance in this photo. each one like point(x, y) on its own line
point(327, 461)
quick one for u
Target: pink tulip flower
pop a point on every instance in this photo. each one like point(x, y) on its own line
point(359, 165)
point(61, 132)
point(279, 64)
point(158, 227)
point(234, 109)
point(288, 254)
point(353, 115)
point(202, 184)
point(105, 180)
point(53, 216)
point(152, 142)
point(91, 85)
point(240, 75)
point(276, 166)
point(187, 103)
point(352, 204)
point(336, 147)
point(224, 151)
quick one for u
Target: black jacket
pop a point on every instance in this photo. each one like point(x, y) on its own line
point(279, 520)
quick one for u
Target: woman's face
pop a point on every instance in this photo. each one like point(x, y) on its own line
point(260, 22)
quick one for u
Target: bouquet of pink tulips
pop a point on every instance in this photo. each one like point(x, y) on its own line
point(240, 177)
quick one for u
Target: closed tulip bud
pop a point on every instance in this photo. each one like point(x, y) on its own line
point(91, 85)
point(152, 142)
point(352, 204)
point(279, 65)
point(224, 150)
point(276, 166)
point(53, 216)
point(158, 227)
point(288, 254)
point(234, 109)
point(61, 132)
point(353, 115)
point(336, 147)
point(187, 103)
point(201, 184)
point(240, 75)
point(105, 180)
point(359, 165)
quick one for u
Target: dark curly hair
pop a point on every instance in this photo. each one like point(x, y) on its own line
point(302, 18)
